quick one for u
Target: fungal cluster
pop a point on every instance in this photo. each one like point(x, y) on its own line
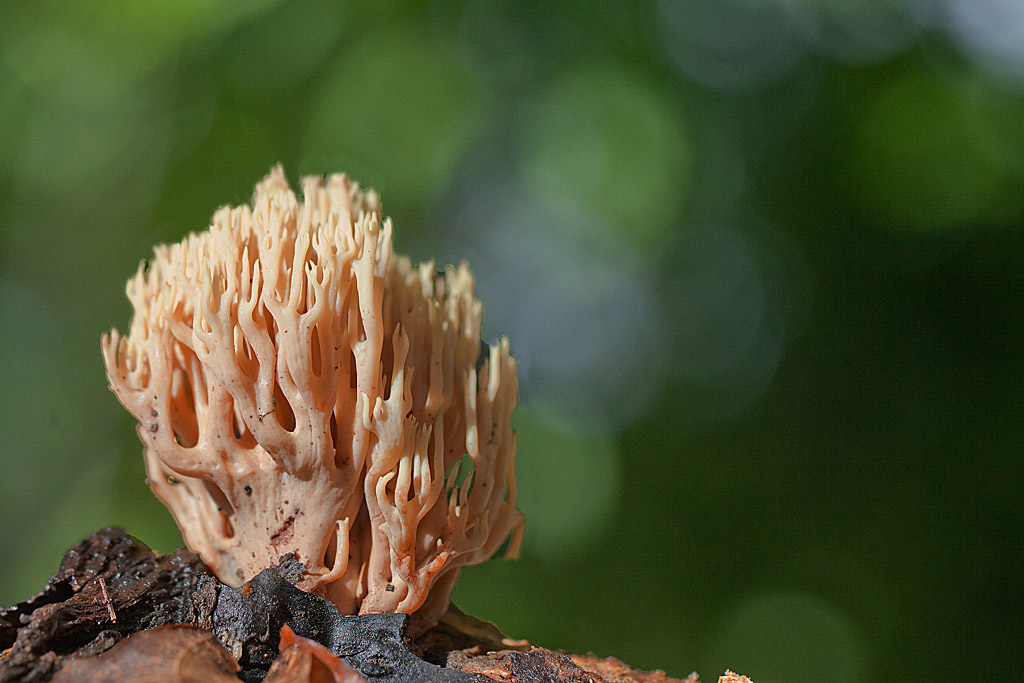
point(301, 389)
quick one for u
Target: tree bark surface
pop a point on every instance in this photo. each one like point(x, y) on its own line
point(116, 611)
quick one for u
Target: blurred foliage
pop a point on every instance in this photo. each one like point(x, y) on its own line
point(762, 262)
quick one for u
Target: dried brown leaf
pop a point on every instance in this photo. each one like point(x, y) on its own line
point(307, 661)
point(179, 653)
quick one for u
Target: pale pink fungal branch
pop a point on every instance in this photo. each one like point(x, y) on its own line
point(301, 389)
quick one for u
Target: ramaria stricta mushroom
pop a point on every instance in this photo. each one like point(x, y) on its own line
point(300, 389)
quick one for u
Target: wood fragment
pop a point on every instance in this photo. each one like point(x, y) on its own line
point(309, 655)
point(106, 601)
point(171, 620)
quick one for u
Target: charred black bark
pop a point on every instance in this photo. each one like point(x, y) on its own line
point(248, 621)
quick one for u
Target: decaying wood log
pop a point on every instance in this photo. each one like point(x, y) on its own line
point(116, 611)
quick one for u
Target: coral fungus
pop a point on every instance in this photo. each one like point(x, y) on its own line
point(301, 389)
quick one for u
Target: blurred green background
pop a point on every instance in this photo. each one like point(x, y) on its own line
point(762, 262)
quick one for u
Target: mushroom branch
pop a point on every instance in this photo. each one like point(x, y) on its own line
point(300, 389)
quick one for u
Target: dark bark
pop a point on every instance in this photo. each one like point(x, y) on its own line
point(191, 627)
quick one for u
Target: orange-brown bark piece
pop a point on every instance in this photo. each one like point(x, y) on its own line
point(613, 670)
point(296, 665)
point(168, 654)
point(303, 660)
point(731, 677)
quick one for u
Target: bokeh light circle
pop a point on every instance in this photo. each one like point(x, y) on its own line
point(991, 32)
point(733, 45)
point(576, 299)
point(725, 306)
point(569, 480)
point(396, 112)
point(612, 143)
point(935, 152)
point(783, 637)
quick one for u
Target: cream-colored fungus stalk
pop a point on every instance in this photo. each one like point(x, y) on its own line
point(301, 389)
